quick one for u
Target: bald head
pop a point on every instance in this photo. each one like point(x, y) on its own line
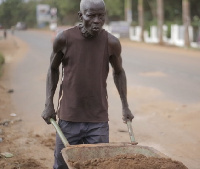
point(84, 4)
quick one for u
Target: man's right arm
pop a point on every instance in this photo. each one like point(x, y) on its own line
point(59, 48)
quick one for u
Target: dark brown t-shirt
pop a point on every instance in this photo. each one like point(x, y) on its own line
point(83, 95)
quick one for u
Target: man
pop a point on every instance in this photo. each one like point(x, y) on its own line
point(5, 33)
point(85, 52)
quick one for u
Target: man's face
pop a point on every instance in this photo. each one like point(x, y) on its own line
point(93, 17)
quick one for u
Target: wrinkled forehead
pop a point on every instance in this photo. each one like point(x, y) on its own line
point(93, 7)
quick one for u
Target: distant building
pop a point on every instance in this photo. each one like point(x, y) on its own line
point(43, 15)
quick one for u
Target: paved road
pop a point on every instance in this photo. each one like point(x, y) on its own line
point(169, 73)
point(29, 74)
point(177, 74)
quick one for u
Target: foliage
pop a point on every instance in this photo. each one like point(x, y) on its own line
point(68, 10)
point(13, 11)
point(115, 11)
point(30, 10)
point(7, 14)
point(173, 11)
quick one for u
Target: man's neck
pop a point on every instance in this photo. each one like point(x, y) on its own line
point(85, 32)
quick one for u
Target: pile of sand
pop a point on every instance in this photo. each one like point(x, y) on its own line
point(130, 162)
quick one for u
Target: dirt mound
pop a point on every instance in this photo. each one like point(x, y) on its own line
point(130, 162)
point(48, 141)
point(22, 164)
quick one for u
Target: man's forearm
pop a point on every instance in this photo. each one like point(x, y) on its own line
point(120, 82)
point(51, 84)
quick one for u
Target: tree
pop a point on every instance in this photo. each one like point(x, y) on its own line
point(115, 10)
point(10, 12)
point(186, 21)
point(13, 11)
point(128, 11)
point(160, 21)
point(141, 18)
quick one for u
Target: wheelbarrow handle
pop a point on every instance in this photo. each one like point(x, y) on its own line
point(130, 131)
point(60, 133)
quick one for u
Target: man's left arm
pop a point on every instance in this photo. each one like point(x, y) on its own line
point(119, 75)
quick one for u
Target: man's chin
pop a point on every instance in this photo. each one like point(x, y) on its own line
point(95, 31)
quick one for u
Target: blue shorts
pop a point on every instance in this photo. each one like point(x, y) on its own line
point(79, 133)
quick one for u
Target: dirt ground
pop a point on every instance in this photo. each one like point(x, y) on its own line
point(28, 149)
point(32, 150)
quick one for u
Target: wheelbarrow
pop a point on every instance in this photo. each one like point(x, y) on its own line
point(84, 152)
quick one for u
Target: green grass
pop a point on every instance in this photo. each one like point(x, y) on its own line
point(2, 60)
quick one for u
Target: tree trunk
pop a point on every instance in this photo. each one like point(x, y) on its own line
point(186, 21)
point(141, 18)
point(160, 18)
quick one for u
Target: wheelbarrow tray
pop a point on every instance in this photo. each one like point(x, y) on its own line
point(85, 152)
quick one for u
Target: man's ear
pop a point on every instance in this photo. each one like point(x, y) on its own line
point(80, 15)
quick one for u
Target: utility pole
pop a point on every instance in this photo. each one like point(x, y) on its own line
point(128, 11)
point(186, 21)
point(160, 20)
point(141, 18)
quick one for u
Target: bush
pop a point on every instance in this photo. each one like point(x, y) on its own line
point(2, 60)
point(169, 24)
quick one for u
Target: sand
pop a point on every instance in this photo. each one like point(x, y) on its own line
point(130, 162)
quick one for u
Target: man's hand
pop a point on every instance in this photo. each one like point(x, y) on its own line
point(127, 115)
point(48, 113)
